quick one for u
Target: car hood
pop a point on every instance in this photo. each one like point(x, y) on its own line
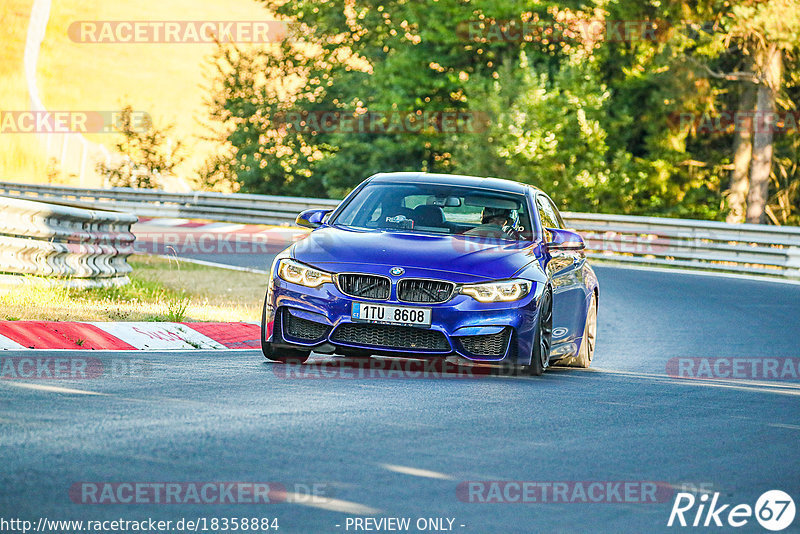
point(453, 257)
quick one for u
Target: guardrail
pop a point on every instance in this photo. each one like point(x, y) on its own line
point(239, 208)
point(654, 241)
point(70, 246)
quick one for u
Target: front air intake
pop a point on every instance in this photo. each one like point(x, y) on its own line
point(422, 291)
point(365, 286)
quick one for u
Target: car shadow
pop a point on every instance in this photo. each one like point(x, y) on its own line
point(348, 368)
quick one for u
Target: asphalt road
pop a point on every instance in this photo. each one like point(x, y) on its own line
point(241, 249)
point(401, 447)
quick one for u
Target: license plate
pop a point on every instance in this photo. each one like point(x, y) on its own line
point(381, 313)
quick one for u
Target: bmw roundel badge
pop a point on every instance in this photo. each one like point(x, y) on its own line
point(396, 271)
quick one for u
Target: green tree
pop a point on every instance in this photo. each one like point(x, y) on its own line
point(748, 45)
point(147, 153)
point(596, 120)
point(545, 130)
point(364, 57)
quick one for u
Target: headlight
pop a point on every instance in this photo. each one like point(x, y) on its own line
point(503, 291)
point(297, 273)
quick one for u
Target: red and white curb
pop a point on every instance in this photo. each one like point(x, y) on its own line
point(46, 335)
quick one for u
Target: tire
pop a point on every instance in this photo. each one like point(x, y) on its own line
point(295, 356)
point(586, 351)
point(543, 339)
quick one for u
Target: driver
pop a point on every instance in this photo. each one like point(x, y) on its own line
point(494, 222)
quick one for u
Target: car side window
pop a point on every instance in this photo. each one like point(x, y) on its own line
point(547, 213)
point(558, 219)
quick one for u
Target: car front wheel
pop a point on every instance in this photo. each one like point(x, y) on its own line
point(543, 338)
point(286, 355)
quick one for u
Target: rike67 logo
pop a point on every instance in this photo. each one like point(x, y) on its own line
point(774, 510)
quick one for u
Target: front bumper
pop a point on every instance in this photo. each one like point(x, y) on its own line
point(319, 319)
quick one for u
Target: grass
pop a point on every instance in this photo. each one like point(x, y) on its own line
point(168, 81)
point(160, 290)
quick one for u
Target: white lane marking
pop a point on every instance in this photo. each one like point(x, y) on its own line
point(220, 227)
point(6, 343)
point(51, 389)
point(284, 230)
point(214, 264)
point(758, 383)
point(609, 262)
point(59, 389)
point(741, 385)
point(164, 336)
point(782, 425)
point(165, 222)
point(332, 505)
point(759, 389)
point(415, 472)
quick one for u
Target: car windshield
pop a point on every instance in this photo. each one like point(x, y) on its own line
point(438, 209)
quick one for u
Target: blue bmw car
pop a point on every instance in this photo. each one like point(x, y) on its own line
point(417, 265)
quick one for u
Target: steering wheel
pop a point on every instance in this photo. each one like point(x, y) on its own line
point(511, 231)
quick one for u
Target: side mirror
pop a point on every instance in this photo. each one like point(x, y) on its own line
point(563, 240)
point(311, 218)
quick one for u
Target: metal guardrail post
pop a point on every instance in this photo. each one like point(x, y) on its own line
point(793, 262)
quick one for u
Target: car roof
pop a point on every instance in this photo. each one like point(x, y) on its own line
point(497, 184)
